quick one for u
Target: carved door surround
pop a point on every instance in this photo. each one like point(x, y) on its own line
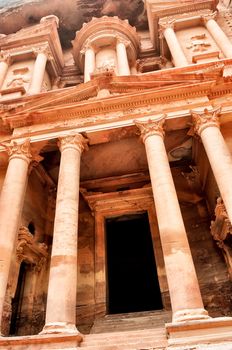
point(113, 204)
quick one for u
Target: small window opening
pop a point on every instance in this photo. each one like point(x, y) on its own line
point(31, 228)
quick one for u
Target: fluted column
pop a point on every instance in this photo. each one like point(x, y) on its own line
point(207, 126)
point(90, 62)
point(183, 285)
point(218, 35)
point(11, 204)
point(38, 70)
point(167, 30)
point(62, 287)
point(4, 65)
point(122, 59)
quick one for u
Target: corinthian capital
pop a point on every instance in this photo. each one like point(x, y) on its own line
point(5, 57)
point(45, 50)
point(19, 150)
point(77, 142)
point(205, 119)
point(164, 24)
point(151, 127)
point(206, 17)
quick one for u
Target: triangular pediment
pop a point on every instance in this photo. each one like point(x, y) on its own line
point(119, 94)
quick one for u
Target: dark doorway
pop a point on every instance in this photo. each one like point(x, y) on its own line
point(17, 300)
point(132, 278)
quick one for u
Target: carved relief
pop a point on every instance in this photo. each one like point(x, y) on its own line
point(20, 77)
point(221, 230)
point(198, 43)
point(30, 251)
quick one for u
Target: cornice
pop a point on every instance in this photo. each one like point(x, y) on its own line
point(120, 103)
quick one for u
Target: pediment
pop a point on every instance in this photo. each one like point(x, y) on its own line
point(122, 94)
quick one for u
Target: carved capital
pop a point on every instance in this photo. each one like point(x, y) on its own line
point(165, 24)
point(123, 41)
point(151, 127)
point(77, 142)
point(205, 119)
point(19, 150)
point(5, 57)
point(206, 17)
point(44, 50)
point(87, 46)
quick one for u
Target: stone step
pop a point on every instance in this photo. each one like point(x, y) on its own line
point(143, 339)
point(134, 321)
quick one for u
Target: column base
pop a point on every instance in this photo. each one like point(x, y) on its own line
point(59, 328)
point(190, 315)
point(209, 331)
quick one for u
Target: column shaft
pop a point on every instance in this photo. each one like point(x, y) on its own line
point(4, 65)
point(89, 63)
point(182, 280)
point(38, 74)
point(177, 53)
point(62, 288)
point(220, 37)
point(122, 59)
point(11, 204)
point(218, 153)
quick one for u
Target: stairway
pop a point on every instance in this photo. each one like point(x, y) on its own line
point(137, 331)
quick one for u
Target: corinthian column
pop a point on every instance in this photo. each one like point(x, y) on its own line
point(122, 59)
point(11, 204)
point(4, 65)
point(90, 62)
point(218, 35)
point(62, 287)
point(167, 30)
point(38, 71)
point(207, 126)
point(183, 285)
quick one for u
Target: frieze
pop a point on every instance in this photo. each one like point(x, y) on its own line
point(84, 110)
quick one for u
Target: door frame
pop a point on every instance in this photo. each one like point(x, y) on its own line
point(114, 204)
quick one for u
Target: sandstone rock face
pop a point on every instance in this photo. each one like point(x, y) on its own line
point(17, 14)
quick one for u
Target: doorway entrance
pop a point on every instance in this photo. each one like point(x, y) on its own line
point(131, 270)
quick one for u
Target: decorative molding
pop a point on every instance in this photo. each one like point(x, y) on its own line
point(77, 142)
point(205, 119)
point(30, 251)
point(151, 127)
